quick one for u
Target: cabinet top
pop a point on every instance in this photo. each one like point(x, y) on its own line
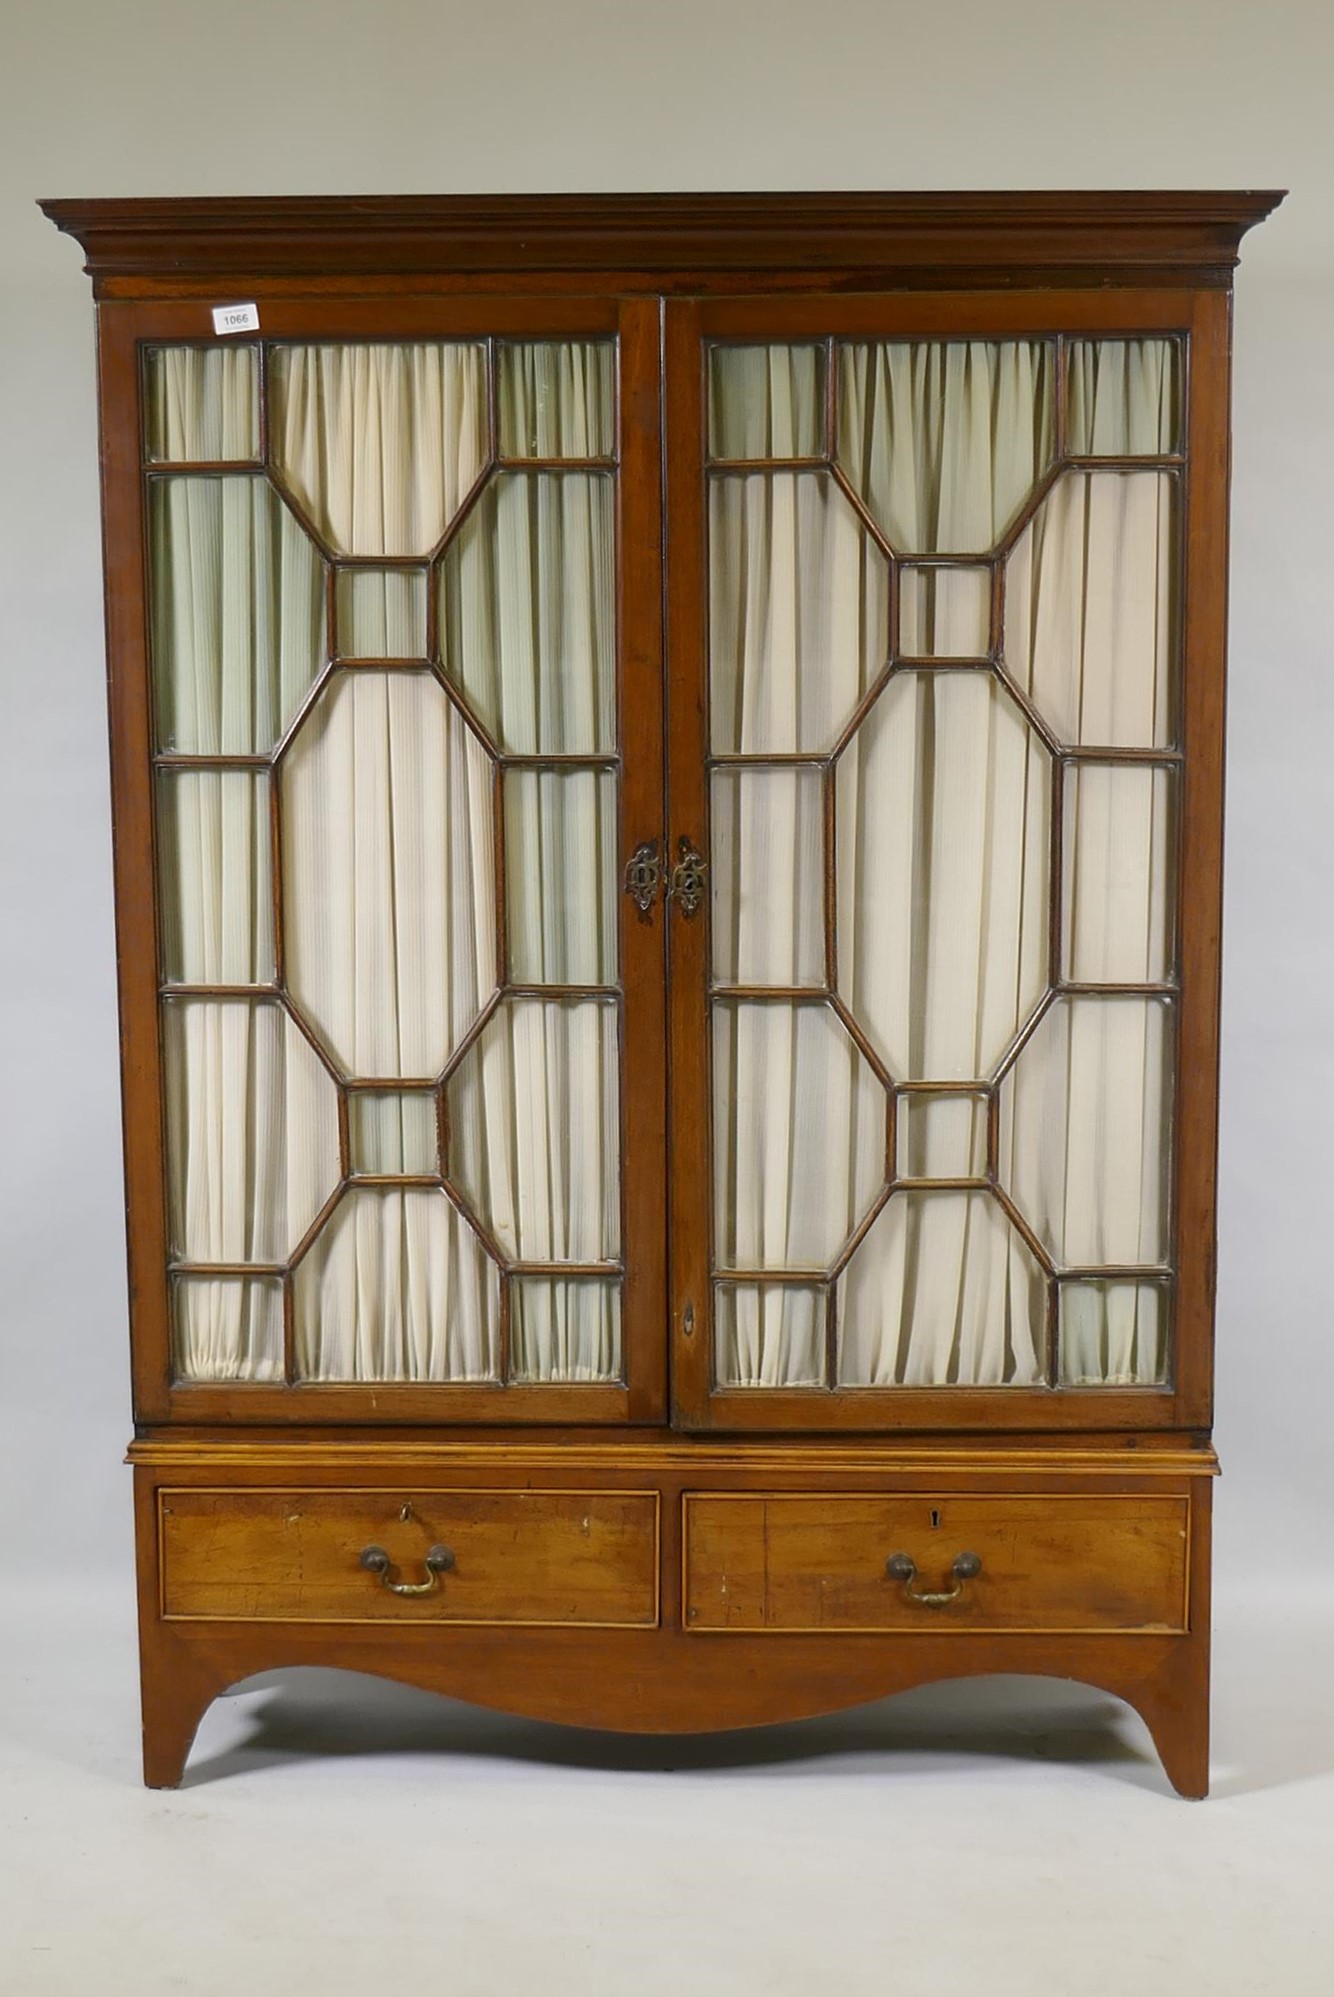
point(671, 241)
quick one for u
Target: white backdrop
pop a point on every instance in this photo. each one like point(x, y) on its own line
point(326, 96)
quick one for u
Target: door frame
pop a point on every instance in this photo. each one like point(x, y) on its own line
point(1204, 317)
point(124, 327)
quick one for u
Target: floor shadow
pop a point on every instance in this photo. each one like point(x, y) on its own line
point(306, 1712)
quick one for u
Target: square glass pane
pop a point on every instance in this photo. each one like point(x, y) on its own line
point(567, 1329)
point(1119, 861)
point(769, 1334)
point(382, 613)
point(560, 876)
point(1113, 1334)
point(944, 613)
point(1123, 398)
point(215, 891)
point(768, 876)
point(557, 398)
point(393, 1133)
point(227, 1327)
point(766, 402)
point(202, 404)
point(942, 1137)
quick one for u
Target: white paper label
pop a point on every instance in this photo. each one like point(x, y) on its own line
point(236, 318)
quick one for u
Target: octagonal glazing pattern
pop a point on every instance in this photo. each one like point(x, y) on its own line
point(379, 443)
point(342, 944)
point(964, 857)
point(944, 816)
point(389, 888)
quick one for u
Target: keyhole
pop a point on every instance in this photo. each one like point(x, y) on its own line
point(935, 1519)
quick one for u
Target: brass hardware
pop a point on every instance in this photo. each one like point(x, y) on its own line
point(900, 1568)
point(439, 1560)
point(687, 882)
point(688, 1321)
point(643, 876)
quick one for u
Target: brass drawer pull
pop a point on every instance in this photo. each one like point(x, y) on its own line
point(687, 882)
point(439, 1560)
point(900, 1568)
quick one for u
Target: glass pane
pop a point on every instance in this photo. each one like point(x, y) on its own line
point(944, 440)
point(569, 1330)
point(535, 1130)
point(396, 1287)
point(238, 614)
point(1123, 398)
point(798, 1136)
point(769, 1335)
point(942, 1137)
point(252, 1131)
point(1113, 1334)
point(382, 613)
point(1119, 842)
point(944, 613)
point(560, 875)
point(528, 611)
point(941, 1292)
point(799, 611)
point(389, 892)
point(227, 1328)
point(202, 404)
point(215, 891)
point(393, 1133)
point(766, 402)
point(767, 842)
point(379, 444)
point(557, 399)
point(943, 874)
point(1084, 1131)
point(1091, 604)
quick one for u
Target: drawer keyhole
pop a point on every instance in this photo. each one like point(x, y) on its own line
point(935, 1520)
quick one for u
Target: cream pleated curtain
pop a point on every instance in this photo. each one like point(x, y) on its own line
point(943, 834)
point(388, 881)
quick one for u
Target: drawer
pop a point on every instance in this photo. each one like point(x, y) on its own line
point(578, 1557)
point(1048, 1563)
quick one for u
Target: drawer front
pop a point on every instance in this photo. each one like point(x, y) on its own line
point(1048, 1564)
point(550, 1557)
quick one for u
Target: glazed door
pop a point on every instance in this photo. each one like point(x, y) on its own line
point(395, 713)
point(941, 1016)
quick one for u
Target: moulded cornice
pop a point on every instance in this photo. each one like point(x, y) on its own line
point(671, 239)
